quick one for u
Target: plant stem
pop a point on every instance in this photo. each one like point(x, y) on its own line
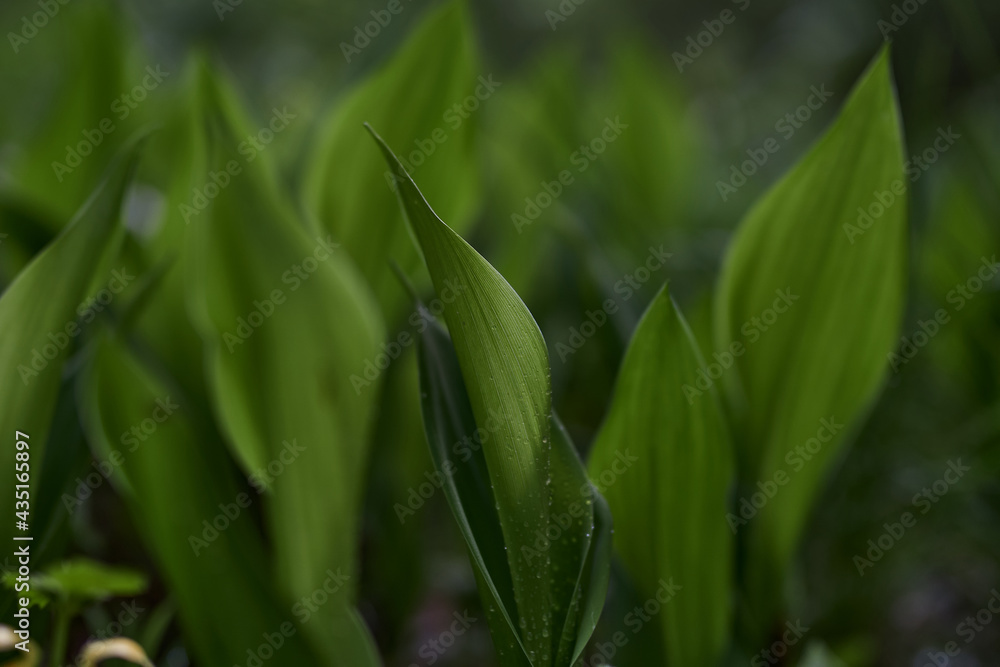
point(60, 636)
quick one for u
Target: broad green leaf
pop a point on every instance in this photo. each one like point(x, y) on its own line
point(213, 581)
point(38, 315)
point(81, 127)
point(153, 309)
point(25, 233)
point(665, 466)
point(84, 580)
point(174, 171)
point(813, 293)
point(530, 133)
point(284, 318)
point(413, 96)
point(459, 459)
point(557, 585)
point(394, 522)
point(650, 171)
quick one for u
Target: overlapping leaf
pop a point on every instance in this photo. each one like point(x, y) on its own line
point(531, 133)
point(813, 288)
point(284, 318)
point(80, 129)
point(554, 533)
point(346, 183)
point(214, 582)
point(38, 315)
point(666, 465)
point(650, 171)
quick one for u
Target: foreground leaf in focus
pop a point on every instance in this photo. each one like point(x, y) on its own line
point(347, 183)
point(38, 315)
point(665, 466)
point(451, 434)
point(813, 289)
point(543, 594)
point(284, 318)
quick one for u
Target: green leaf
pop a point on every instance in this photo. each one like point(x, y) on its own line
point(38, 315)
point(174, 169)
point(284, 318)
point(25, 233)
point(531, 132)
point(451, 434)
point(347, 183)
point(85, 580)
point(958, 242)
point(536, 482)
point(90, 44)
point(650, 172)
point(393, 585)
point(815, 298)
point(181, 479)
point(665, 466)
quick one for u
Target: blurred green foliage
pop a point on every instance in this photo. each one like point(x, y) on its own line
point(235, 264)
